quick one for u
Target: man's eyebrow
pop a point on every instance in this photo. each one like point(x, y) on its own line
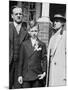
point(18, 13)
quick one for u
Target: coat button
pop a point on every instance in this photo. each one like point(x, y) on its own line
point(65, 53)
point(64, 79)
point(54, 63)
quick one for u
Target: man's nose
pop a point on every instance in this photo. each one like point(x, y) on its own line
point(55, 23)
point(18, 14)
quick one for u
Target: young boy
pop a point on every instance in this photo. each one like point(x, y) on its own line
point(32, 54)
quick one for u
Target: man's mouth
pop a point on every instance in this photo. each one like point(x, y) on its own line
point(18, 17)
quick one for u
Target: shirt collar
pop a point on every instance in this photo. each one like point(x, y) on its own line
point(58, 32)
point(33, 41)
point(15, 24)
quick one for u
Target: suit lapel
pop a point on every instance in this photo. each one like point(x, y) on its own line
point(39, 42)
point(14, 29)
point(56, 45)
point(30, 48)
point(22, 34)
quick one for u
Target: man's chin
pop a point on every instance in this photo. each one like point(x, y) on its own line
point(18, 22)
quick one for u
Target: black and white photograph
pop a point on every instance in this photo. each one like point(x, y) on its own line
point(37, 44)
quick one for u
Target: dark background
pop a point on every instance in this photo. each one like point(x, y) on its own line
point(57, 8)
point(54, 9)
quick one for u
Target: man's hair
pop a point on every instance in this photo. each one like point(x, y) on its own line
point(13, 7)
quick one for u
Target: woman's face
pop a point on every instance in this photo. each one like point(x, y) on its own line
point(57, 24)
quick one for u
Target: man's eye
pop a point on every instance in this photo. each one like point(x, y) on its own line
point(18, 14)
point(32, 31)
point(35, 30)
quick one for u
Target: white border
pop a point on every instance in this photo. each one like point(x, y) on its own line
point(4, 42)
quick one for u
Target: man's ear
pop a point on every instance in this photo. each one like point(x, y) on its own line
point(12, 16)
point(29, 32)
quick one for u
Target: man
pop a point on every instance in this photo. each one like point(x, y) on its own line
point(56, 53)
point(32, 55)
point(17, 34)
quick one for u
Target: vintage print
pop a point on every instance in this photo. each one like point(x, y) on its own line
point(37, 44)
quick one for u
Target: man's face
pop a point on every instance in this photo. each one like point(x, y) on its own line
point(34, 32)
point(57, 24)
point(17, 15)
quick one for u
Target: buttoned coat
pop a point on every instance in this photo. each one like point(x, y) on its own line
point(32, 63)
point(57, 55)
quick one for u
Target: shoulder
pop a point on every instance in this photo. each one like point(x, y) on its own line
point(10, 28)
point(24, 43)
point(52, 38)
point(23, 30)
point(10, 24)
point(42, 43)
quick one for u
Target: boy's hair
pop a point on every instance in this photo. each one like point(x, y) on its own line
point(35, 24)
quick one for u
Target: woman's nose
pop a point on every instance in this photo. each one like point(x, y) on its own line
point(55, 22)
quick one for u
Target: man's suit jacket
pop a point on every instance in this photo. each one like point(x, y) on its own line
point(30, 61)
point(23, 37)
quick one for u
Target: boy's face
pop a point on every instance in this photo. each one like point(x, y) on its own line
point(34, 32)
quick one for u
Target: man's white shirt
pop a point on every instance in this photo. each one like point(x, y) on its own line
point(17, 26)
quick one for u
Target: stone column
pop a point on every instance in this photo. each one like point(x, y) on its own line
point(19, 4)
point(44, 23)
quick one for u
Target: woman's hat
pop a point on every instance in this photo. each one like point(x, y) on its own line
point(58, 17)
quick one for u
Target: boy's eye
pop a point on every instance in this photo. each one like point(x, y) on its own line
point(31, 31)
point(34, 31)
